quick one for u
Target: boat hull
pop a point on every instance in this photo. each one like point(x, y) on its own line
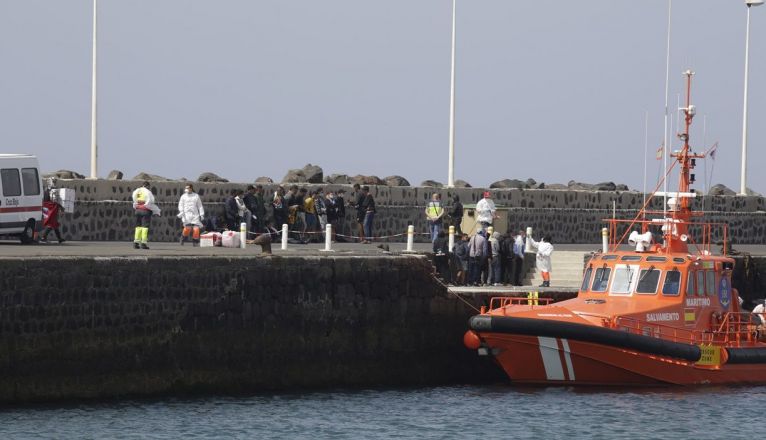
point(561, 361)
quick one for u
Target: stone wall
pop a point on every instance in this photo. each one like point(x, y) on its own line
point(103, 210)
point(104, 327)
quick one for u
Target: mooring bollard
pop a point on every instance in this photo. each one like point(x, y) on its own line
point(284, 237)
point(328, 238)
point(451, 238)
point(243, 235)
point(528, 242)
point(605, 240)
point(410, 237)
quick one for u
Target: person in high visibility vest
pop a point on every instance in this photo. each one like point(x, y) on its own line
point(434, 214)
point(192, 213)
point(144, 207)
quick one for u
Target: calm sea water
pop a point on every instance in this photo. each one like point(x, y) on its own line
point(486, 412)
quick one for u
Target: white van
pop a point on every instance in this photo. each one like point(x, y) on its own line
point(21, 196)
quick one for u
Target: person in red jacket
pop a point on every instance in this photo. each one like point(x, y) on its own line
point(51, 211)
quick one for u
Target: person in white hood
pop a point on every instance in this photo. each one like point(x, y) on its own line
point(485, 211)
point(144, 206)
point(543, 258)
point(192, 213)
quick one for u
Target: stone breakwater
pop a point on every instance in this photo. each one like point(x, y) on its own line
point(104, 327)
point(103, 210)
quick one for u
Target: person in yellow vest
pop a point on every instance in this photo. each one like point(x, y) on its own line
point(144, 207)
point(435, 214)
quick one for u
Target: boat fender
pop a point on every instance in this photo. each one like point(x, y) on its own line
point(746, 355)
point(471, 340)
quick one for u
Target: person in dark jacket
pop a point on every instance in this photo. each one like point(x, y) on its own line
point(368, 207)
point(441, 255)
point(231, 210)
point(461, 259)
point(341, 214)
point(456, 214)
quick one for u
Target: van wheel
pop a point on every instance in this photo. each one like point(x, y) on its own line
point(28, 236)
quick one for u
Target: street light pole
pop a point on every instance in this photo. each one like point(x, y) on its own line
point(451, 171)
point(743, 177)
point(93, 143)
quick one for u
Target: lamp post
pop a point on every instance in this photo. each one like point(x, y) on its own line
point(743, 177)
point(93, 143)
point(451, 171)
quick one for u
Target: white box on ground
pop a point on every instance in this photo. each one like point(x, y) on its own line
point(210, 239)
point(66, 197)
point(230, 239)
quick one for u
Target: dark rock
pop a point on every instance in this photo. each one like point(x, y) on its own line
point(509, 184)
point(150, 177)
point(621, 187)
point(211, 178)
point(720, 190)
point(367, 180)
point(114, 175)
point(264, 180)
point(580, 186)
point(65, 174)
point(396, 181)
point(313, 173)
point(605, 186)
point(462, 184)
point(432, 183)
point(294, 176)
point(338, 179)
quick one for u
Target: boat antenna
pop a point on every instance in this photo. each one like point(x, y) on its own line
point(666, 134)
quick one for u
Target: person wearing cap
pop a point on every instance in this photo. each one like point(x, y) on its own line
point(434, 214)
point(485, 211)
point(144, 207)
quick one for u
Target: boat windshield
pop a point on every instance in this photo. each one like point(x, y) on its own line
point(601, 279)
point(624, 279)
point(672, 283)
point(648, 280)
point(586, 279)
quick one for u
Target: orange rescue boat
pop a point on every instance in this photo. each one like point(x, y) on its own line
point(662, 313)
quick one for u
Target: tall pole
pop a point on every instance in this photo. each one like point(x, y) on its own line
point(666, 135)
point(93, 143)
point(451, 171)
point(743, 177)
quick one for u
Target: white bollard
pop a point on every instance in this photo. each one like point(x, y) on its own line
point(605, 240)
point(451, 238)
point(528, 242)
point(490, 230)
point(328, 238)
point(284, 237)
point(410, 237)
point(243, 235)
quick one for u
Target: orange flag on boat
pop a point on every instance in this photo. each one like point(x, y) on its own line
point(659, 152)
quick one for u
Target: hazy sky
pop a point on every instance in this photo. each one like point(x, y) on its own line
point(553, 90)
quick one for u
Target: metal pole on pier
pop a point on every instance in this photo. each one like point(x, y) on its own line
point(93, 141)
point(451, 171)
point(743, 177)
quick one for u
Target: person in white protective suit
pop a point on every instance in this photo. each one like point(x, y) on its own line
point(192, 213)
point(144, 207)
point(543, 258)
point(485, 211)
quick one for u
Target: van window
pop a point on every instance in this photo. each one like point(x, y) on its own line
point(672, 283)
point(11, 182)
point(31, 181)
point(700, 283)
point(710, 284)
point(586, 280)
point(601, 279)
point(648, 280)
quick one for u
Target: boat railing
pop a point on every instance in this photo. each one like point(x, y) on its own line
point(706, 232)
point(501, 302)
point(733, 329)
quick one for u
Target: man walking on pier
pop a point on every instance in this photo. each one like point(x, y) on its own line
point(144, 207)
